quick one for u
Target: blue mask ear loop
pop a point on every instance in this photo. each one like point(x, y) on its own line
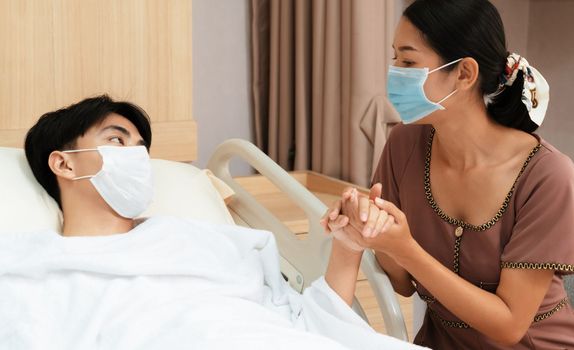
point(439, 68)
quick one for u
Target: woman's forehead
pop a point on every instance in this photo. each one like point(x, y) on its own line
point(409, 38)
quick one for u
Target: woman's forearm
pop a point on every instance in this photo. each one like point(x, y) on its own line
point(400, 278)
point(343, 270)
point(489, 313)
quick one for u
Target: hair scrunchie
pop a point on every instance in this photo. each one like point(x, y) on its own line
point(535, 92)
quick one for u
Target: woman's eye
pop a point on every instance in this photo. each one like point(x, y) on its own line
point(403, 62)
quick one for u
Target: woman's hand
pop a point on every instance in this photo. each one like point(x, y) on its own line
point(396, 238)
point(377, 220)
point(366, 218)
point(344, 228)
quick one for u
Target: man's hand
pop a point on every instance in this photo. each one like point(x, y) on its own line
point(333, 212)
point(337, 224)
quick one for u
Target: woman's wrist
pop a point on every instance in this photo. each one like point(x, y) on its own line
point(405, 253)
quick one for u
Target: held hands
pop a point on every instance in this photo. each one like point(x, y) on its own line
point(363, 222)
point(339, 225)
point(362, 213)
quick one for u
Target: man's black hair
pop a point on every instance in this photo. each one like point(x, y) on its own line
point(59, 130)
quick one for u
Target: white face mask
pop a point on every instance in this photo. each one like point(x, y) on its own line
point(124, 181)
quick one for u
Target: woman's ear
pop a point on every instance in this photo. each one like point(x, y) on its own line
point(61, 165)
point(468, 71)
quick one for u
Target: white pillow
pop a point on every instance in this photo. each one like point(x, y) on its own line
point(24, 204)
point(180, 190)
point(183, 190)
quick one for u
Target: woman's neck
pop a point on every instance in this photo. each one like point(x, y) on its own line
point(467, 138)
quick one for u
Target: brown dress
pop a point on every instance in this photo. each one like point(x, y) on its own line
point(534, 229)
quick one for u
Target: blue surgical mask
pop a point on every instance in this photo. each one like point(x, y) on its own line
point(406, 93)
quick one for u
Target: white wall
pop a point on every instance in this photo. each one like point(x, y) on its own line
point(221, 76)
point(551, 47)
point(541, 31)
point(515, 17)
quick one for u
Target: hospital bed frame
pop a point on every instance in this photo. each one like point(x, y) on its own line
point(302, 261)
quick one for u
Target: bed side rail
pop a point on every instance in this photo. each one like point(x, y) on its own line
point(309, 256)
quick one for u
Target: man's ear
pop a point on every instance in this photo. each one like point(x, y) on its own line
point(61, 165)
point(468, 72)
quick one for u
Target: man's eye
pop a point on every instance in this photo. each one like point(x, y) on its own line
point(116, 139)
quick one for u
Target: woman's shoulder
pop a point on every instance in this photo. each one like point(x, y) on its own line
point(552, 161)
point(405, 142)
point(407, 133)
point(548, 168)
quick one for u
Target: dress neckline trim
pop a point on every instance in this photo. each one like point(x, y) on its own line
point(458, 222)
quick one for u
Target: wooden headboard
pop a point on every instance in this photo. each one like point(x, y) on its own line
point(57, 52)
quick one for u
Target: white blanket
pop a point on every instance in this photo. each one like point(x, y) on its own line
point(167, 284)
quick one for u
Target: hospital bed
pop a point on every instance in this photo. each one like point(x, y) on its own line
point(211, 195)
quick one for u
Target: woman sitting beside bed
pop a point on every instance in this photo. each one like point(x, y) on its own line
point(108, 282)
point(484, 207)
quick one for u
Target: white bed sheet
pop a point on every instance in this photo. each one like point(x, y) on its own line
point(167, 284)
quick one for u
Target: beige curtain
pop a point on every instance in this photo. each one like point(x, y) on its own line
point(319, 70)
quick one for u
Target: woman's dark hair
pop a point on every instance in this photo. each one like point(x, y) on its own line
point(60, 129)
point(473, 28)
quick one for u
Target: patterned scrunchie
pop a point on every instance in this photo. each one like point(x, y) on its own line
point(535, 93)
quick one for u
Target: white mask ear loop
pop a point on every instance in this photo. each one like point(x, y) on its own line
point(447, 96)
point(78, 151)
point(445, 65)
point(81, 150)
point(83, 177)
point(441, 67)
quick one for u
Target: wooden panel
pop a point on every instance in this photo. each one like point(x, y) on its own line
point(56, 52)
point(12, 138)
point(257, 185)
point(171, 140)
point(324, 184)
point(174, 140)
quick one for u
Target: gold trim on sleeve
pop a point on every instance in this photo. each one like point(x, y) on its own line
point(463, 325)
point(446, 323)
point(538, 266)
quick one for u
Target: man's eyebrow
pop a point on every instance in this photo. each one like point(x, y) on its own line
point(117, 128)
point(122, 130)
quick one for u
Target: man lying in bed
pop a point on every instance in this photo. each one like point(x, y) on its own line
point(106, 282)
